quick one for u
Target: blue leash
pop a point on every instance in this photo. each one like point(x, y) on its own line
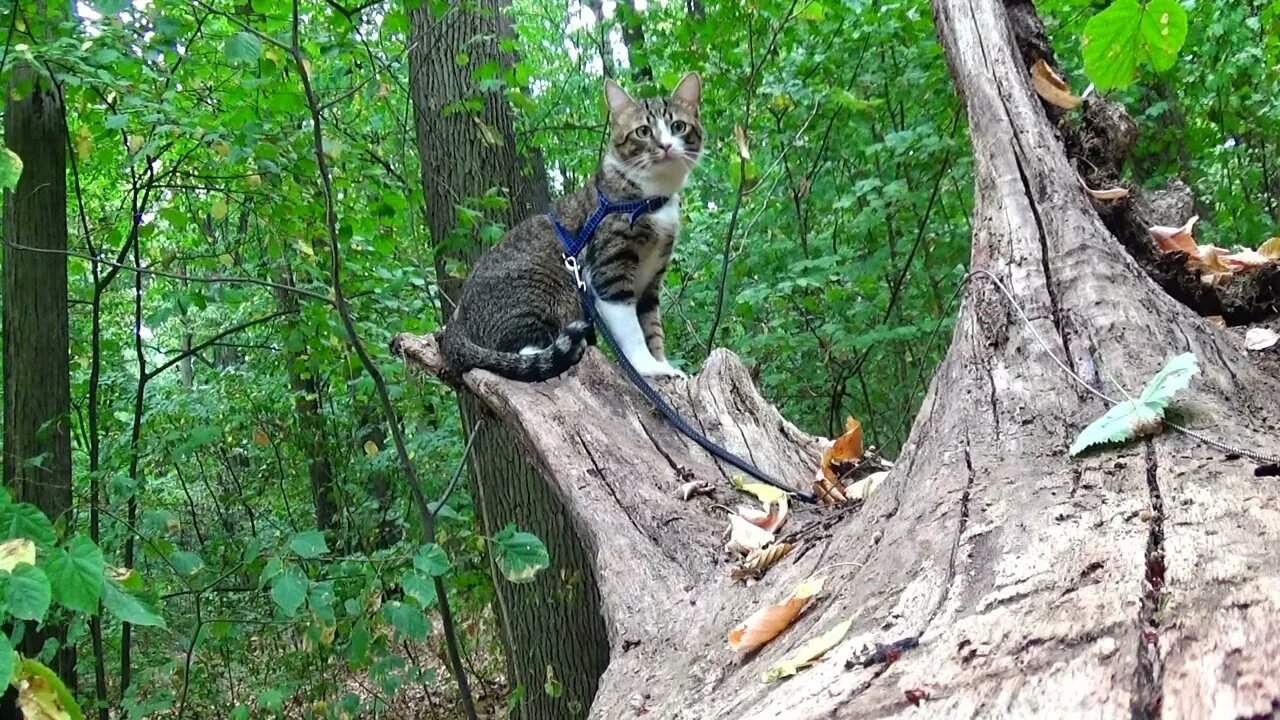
point(573, 245)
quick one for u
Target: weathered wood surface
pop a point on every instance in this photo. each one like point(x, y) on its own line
point(1140, 582)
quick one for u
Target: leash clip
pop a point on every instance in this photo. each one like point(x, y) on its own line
point(571, 264)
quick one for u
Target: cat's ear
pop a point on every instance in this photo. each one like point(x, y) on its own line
point(617, 98)
point(689, 91)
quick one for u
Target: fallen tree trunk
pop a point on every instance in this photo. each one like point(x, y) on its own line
point(1131, 583)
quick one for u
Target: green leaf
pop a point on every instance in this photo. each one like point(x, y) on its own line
point(358, 646)
point(1141, 417)
point(28, 593)
point(243, 47)
point(76, 575)
point(186, 563)
point(10, 169)
point(1126, 33)
point(419, 587)
point(408, 621)
point(1174, 377)
point(520, 555)
point(431, 559)
point(309, 544)
point(25, 520)
point(7, 660)
point(128, 607)
point(289, 590)
point(42, 694)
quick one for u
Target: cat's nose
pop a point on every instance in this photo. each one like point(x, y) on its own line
point(666, 148)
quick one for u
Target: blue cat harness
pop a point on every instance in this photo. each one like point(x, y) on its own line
point(573, 245)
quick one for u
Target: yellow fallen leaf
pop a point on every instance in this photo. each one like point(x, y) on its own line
point(807, 653)
point(765, 493)
point(1271, 248)
point(1050, 86)
point(1217, 320)
point(766, 623)
point(862, 489)
point(16, 552)
point(1114, 193)
point(1170, 239)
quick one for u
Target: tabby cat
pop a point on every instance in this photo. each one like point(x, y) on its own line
point(518, 313)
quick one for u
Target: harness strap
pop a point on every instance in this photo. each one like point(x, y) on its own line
point(573, 245)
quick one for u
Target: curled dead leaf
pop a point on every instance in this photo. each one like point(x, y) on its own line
point(847, 448)
point(758, 562)
point(15, 552)
point(1217, 320)
point(1271, 248)
point(745, 537)
point(770, 517)
point(862, 489)
point(741, 136)
point(1114, 193)
point(827, 491)
point(768, 622)
point(695, 487)
point(1260, 338)
point(1050, 86)
point(1245, 261)
point(1170, 239)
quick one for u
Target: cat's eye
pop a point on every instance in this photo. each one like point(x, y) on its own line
point(679, 127)
point(643, 132)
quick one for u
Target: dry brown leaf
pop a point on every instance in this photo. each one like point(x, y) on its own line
point(1245, 261)
point(770, 517)
point(846, 448)
point(1114, 193)
point(260, 437)
point(766, 623)
point(1260, 338)
point(1170, 239)
point(1209, 259)
point(745, 537)
point(695, 487)
point(828, 492)
point(743, 151)
point(1051, 86)
point(1271, 248)
point(1217, 320)
point(862, 489)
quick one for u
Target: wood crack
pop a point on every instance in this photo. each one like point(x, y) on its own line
point(604, 481)
point(1150, 673)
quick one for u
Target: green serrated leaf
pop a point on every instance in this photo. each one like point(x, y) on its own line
point(1174, 377)
point(76, 575)
point(28, 593)
point(128, 607)
point(419, 587)
point(10, 169)
point(186, 563)
point(431, 559)
point(289, 591)
point(309, 544)
point(409, 622)
point(1133, 418)
point(358, 646)
point(1127, 33)
point(243, 47)
point(24, 520)
point(520, 555)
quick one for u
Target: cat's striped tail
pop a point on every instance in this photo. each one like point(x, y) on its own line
point(462, 355)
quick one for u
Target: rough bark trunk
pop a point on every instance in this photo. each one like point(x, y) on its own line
point(37, 390)
point(1130, 583)
point(464, 153)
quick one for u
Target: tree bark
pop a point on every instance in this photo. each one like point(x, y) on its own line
point(466, 143)
point(37, 374)
point(1133, 582)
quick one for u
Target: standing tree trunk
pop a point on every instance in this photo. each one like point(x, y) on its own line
point(464, 153)
point(37, 373)
point(1134, 582)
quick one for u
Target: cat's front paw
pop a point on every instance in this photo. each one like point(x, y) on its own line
point(662, 369)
